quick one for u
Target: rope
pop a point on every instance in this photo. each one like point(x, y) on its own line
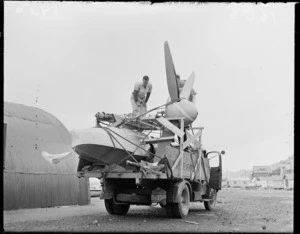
point(166, 162)
point(120, 144)
point(143, 169)
point(168, 103)
point(143, 140)
point(134, 150)
point(110, 135)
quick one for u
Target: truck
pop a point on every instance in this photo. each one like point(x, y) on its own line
point(178, 174)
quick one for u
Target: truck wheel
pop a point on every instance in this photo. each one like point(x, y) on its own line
point(209, 205)
point(163, 203)
point(181, 209)
point(113, 208)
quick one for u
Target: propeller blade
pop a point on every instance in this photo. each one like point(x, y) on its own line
point(55, 158)
point(187, 88)
point(171, 74)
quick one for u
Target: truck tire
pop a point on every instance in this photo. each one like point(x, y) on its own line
point(163, 204)
point(212, 194)
point(181, 209)
point(115, 209)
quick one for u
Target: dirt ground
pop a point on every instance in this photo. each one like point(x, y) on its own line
point(236, 210)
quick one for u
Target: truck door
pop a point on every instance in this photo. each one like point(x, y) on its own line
point(215, 162)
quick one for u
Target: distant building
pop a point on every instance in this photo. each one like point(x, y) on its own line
point(271, 182)
point(30, 181)
point(277, 182)
point(238, 182)
point(260, 171)
point(276, 171)
point(276, 176)
point(225, 183)
point(265, 182)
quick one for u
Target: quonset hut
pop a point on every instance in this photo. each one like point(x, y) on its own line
point(30, 181)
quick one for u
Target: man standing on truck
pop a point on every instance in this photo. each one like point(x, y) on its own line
point(140, 96)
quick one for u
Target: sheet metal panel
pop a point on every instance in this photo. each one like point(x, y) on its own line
point(83, 196)
point(32, 191)
point(4, 142)
point(30, 181)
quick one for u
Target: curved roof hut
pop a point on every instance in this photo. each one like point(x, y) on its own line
point(30, 181)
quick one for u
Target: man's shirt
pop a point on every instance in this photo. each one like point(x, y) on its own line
point(142, 91)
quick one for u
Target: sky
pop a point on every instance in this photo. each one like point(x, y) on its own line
point(74, 59)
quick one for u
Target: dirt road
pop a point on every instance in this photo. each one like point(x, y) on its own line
point(236, 211)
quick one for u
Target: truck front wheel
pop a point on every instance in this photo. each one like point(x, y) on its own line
point(209, 205)
point(117, 209)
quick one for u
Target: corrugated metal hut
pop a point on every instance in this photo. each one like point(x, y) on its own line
point(30, 181)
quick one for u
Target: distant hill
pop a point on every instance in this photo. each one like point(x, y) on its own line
point(287, 163)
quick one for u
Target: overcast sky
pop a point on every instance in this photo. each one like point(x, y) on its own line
point(73, 59)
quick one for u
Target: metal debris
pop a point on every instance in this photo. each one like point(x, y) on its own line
point(95, 222)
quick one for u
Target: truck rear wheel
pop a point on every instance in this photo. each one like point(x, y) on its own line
point(163, 203)
point(181, 209)
point(209, 205)
point(117, 209)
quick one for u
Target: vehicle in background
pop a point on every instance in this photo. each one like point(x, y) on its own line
point(95, 187)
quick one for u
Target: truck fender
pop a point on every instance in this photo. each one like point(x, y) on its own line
point(108, 190)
